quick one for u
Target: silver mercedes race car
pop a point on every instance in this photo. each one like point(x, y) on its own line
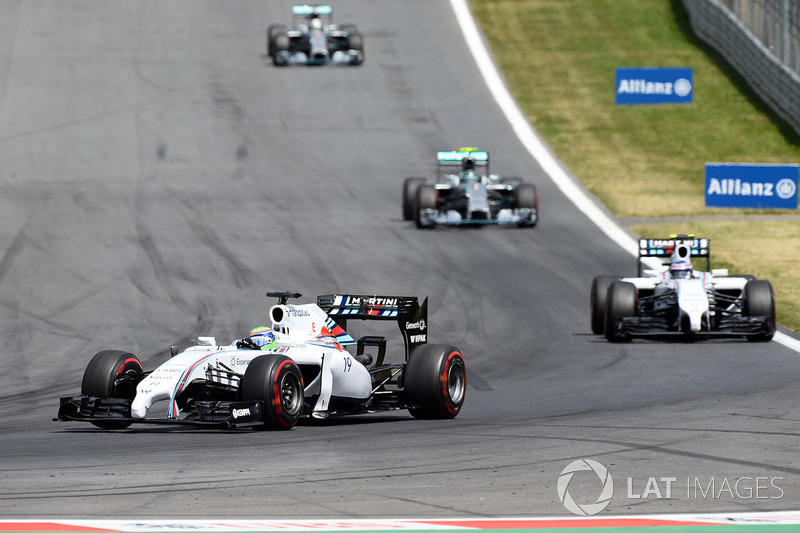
point(466, 194)
point(314, 39)
point(670, 298)
point(297, 367)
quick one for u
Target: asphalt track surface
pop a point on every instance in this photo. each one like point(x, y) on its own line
point(159, 175)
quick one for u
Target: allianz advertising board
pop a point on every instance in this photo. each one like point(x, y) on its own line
point(647, 85)
point(756, 186)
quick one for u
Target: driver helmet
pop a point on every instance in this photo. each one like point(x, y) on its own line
point(263, 336)
point(680, 270)
point(315, 23)
point(469, 175)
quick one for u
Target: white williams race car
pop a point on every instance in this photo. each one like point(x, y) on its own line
point(297, 367)
point(670, 298)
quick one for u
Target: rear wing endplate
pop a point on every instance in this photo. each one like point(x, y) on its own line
point(662, 249)
point(411, 317)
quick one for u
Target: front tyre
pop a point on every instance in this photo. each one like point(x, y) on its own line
point(110, 375)
point(435, 381)
point(410, 186)
point(622, 302)
point(600, 286)
point(275, 380)
point(759, 300)
point(355, 43)
point(272, 31)
point(527, 198)
point(280, 50)
point(427, 198)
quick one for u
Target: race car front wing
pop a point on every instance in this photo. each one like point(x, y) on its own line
point(206, 413)
point(341, 57)
point(735, 326)
point(522, 216)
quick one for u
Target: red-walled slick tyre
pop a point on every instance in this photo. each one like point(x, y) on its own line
point(276, 380)
point(106, 377)
point(435, 381)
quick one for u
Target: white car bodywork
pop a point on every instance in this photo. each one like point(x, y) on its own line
point(695, 298)
point(298, 367)
point(304, 333)
point(669, 297)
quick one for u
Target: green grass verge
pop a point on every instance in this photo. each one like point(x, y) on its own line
point(559, 58)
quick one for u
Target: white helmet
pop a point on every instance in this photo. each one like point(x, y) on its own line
point(680, 269)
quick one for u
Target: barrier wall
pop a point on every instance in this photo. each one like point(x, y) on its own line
point(761, 40)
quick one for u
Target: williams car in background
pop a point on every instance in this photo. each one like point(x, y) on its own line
point(670, 298)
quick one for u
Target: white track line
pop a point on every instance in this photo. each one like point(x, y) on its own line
point(530, 139)
point(595, 523)
point(539, 151)
point(786, 340)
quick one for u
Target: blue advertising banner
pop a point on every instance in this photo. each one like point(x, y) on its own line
point(654, 86)
point(759, 186)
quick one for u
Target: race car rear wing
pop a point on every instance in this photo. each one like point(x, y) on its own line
point(662, 249)
point(449, 161)
point(307, 10)
point(411, 317)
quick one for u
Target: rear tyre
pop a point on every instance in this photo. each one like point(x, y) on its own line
point(599, 296)
point(435, 381)
point(621, 302)
point(275, 380)
point(526, 198)
point(427, 198)
point(759, 300)
point(104, 378)
point(410, 186)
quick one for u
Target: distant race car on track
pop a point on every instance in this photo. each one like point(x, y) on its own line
point(298, 367)
point(465, 193)
point(314, 39)
point(671, 298)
